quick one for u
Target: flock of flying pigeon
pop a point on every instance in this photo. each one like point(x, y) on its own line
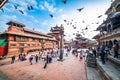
point(30, 7)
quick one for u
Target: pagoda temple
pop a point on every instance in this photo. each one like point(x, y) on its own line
point(56, 32)
point(80, 42)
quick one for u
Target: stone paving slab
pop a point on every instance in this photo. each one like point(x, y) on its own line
point(70, 69)
point(3, 76)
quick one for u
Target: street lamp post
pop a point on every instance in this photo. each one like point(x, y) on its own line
point(61, 42)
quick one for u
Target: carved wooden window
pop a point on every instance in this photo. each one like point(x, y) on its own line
point(12, 45)
point(21, 44)
point(17, 38)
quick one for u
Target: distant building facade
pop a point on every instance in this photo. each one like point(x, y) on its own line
point(80, 42)
point(18, 39)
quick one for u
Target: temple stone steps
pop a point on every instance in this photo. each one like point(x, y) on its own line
point(108, 70)
point(93, 74)
point(114, 61)
point(91, 68)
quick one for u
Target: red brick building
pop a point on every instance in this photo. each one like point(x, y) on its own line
point(22, 40)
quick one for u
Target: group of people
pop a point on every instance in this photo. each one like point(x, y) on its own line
point(79, 53)
point(21, 57)
point(45, 55)
point(32, 57)
point(104, 51)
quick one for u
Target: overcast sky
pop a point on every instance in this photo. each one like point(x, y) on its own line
point(39, 18)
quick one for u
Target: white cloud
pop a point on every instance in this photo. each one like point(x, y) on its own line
point(60, 10)
point(50, 8)
point(4, 19)
point(64, 16)
point(89, 15)
point(33, 2)
point(33, 19)
point(42, 7)
point(44, 23)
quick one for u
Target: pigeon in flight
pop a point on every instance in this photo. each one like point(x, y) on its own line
point(100, 16)
point(64, 1)
point(80, 9)
point(21, 11)
point(86, 28)
point(15, 6)
point(97, 23)
point(2, 10)
point(83, 21)
point(30, 7)
point(51, 15)
point(64, 20)
point(74, 27)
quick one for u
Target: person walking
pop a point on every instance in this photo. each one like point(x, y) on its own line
point(102, 48)
point(107, 50)
point(36, 58)
point(30, 59)
point(45, 65)
point(47, 58)
point(13, 59)
point(81, 55)
point(19, 57)
point(116, 49)
point(94, 52)
point(50, 59)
